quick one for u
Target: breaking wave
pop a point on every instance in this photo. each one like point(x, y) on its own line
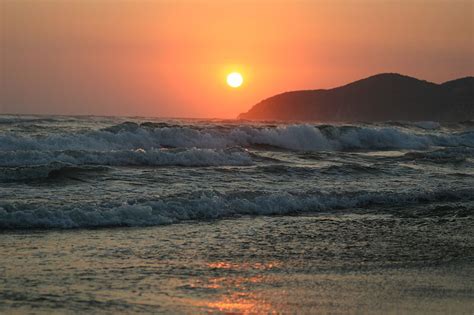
point(212, 205)
point(301, 137)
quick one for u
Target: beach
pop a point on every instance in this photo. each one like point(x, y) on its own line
point(120, 214)
point(322, 264)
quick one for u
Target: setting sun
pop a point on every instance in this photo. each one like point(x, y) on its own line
point(234, 79)
point(323, 143)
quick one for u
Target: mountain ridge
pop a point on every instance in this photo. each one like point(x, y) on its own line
point(384, 96)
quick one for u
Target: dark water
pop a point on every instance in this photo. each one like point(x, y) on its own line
point(69, 172)
point(360, 218)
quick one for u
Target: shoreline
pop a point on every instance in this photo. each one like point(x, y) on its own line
point(311, 264)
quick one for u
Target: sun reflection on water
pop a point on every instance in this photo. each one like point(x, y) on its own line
point(235, 303)
point(240, 266)
point(234, 293)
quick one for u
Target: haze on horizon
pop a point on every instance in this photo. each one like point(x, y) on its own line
point(170, 58)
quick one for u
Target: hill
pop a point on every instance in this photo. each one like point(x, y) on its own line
point(387, 96)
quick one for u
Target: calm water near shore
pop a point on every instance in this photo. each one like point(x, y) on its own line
point(338, 263)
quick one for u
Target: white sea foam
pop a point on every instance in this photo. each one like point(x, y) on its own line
point(302, 137)
point(211, 206)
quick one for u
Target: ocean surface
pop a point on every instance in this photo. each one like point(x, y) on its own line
point(115, 214)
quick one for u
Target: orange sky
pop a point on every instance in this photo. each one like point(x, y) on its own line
point(170, 58)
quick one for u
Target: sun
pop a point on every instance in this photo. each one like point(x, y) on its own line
point(234, 79)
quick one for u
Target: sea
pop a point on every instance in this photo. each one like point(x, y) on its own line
point(191, 216)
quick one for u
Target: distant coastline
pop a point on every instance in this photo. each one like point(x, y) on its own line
point(382, 97)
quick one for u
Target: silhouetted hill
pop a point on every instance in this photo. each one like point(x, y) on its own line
point(386, 96)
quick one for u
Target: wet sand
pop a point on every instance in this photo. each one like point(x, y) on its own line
point(322, 264)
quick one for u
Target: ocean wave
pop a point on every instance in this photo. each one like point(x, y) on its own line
point(212, 205)
point(301, 137)
point(353, 169)
point(335, 169)
point(7, 120)
point(428, 125)
point(442, 156)
point(49, 171)
point(286, 169)
point(41, 163)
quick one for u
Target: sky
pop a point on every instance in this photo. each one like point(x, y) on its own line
point(170, 58)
